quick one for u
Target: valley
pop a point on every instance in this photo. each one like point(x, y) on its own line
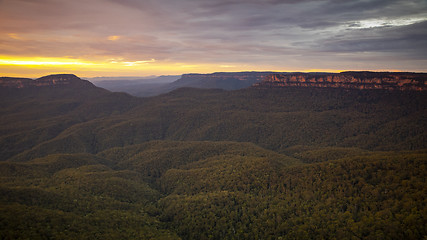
point(264, 160)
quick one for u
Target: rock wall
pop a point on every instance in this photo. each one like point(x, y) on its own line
point(354, 80)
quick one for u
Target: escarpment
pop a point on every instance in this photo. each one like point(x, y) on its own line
point(354, 80)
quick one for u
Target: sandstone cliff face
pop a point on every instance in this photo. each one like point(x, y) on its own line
point(354, 80)
point(47, 81)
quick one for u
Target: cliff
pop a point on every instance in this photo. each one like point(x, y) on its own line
point(355, 80)
point(56, 80)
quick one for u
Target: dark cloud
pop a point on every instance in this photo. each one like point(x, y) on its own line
point(410, 39)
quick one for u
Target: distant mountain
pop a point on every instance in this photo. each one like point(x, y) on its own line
point(239, 80)
point(221, 80)
point(112, 82)
point(56, 80)
point(118, 78)
point(142, 87)
point(355, 80)
point(163, 84)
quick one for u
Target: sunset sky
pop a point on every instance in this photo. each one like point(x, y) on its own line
point(162, 37)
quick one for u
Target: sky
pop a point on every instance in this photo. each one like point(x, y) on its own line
point(165, 37)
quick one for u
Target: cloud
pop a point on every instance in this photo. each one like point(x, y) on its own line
point(113, 38)
point(407, 40)
point(226, 32)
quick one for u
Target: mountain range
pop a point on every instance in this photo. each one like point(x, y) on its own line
point(238, 80)
point(289, 156)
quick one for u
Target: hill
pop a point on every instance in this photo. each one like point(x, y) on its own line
point(258, 163)
point(272, 118)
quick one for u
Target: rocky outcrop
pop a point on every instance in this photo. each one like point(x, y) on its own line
point(355, 80)
point(56, 80)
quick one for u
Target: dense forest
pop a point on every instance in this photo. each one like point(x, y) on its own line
point(279, 163)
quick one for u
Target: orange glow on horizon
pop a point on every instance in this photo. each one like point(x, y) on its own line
point(36, 66)
point(40, 66)
point(31, 62)
point(323, 70)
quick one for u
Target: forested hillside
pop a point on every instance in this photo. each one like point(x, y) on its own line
point(256, 163)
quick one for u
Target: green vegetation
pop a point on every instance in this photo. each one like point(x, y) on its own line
point(209, 164)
